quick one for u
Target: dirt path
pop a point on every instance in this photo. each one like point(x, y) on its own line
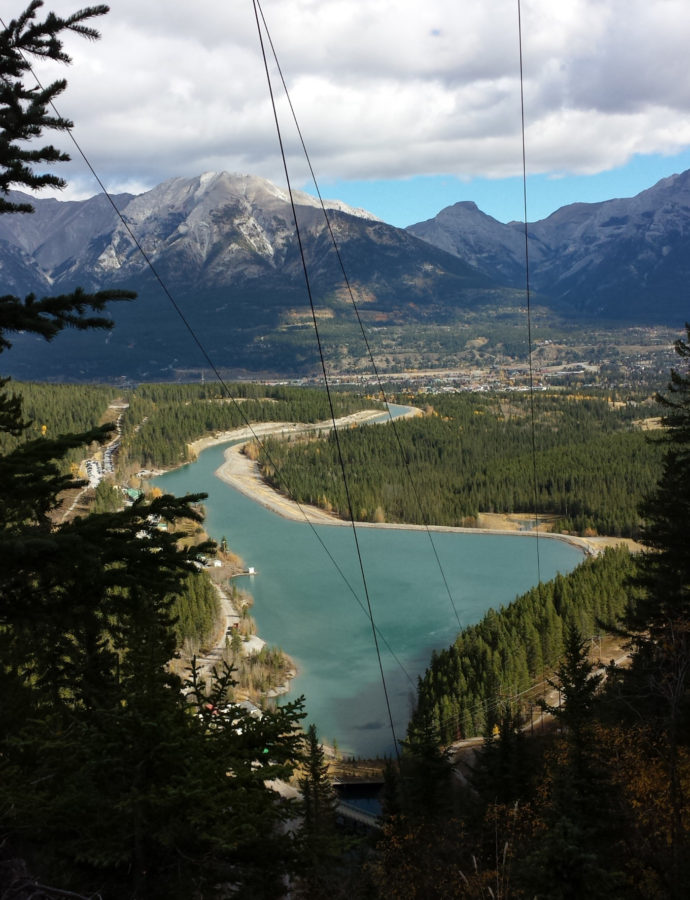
point(229, 617)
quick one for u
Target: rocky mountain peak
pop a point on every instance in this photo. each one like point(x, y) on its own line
point(213, 191)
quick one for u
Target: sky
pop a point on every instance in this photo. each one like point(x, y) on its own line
point(405, 106)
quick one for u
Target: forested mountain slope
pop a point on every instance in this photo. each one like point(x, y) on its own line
point(225, 247)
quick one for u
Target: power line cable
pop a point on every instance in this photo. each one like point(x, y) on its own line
point(149, 263)
point(527, 294)
point(326, 382)
point(497, 701)
point(355, 306)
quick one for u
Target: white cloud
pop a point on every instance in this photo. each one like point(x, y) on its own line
point(383, 88)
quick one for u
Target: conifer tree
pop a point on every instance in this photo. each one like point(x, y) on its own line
point(321, 846)
point(571, 858)
point(666, 572)
point(502, 771)
point(25, 113)
point(425, 773)
point(112, 778)
point(660, 619)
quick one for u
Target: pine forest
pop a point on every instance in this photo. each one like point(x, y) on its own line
point(472, 453)
point(548, 748)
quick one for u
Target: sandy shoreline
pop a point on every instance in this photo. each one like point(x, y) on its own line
point(241, 473)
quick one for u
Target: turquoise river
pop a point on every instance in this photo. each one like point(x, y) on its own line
point(304, 604)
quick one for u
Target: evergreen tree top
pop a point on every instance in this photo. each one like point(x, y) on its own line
point(27, 111)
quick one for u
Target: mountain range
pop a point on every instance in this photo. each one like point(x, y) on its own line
point(224, 246)
point(624, 260)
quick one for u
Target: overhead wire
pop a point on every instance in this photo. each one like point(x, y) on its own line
point(355, 306)
point(528, 295)
point(205, 354)
point(498, 701)
point(368, 610)
point(327, 384)
point(257, 4)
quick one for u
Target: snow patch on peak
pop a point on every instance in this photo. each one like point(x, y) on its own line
point(351, 210)
point(211, 188)
point(206, 177)
point(279, 193)
point(301, 198)
point(253, 185)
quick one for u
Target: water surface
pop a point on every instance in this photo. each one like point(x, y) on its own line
point(304, 605)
